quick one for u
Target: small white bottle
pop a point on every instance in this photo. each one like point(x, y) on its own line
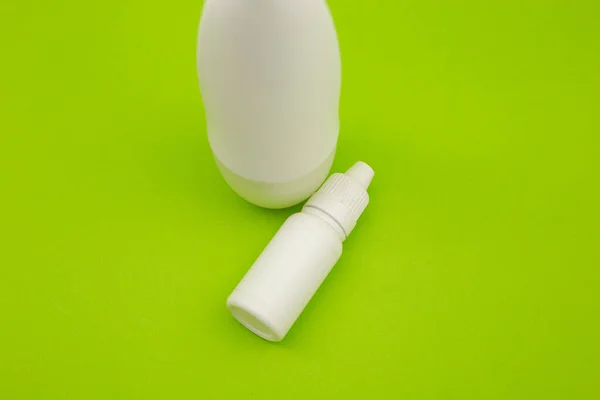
point(289, 271)
point(270, 76)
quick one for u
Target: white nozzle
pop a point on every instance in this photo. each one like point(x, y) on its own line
point(361, 173)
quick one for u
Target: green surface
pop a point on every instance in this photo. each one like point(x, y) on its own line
point(473, 274)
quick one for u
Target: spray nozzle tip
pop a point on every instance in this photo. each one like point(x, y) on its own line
point(361, 173)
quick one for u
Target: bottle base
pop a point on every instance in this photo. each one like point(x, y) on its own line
point(277, 195)
point(248, 313)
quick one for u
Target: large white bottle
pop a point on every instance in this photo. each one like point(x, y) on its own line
point(270, 76)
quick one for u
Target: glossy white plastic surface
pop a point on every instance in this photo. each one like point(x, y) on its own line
point(285, 276)
point(270, 77)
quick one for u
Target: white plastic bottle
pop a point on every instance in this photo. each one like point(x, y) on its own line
point(294, 264)
point(270, 78)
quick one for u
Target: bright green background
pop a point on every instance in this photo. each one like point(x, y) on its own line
point(473, 274)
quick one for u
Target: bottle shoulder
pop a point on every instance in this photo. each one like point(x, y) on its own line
point(316, 226)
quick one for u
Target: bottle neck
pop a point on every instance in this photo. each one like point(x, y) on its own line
point(332, 222)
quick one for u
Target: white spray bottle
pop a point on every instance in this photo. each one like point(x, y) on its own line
point(270, 78)
point(289, 271)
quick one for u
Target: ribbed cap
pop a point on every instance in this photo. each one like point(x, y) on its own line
point(344, 197)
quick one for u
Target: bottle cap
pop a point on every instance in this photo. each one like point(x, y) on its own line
point(344, 197)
